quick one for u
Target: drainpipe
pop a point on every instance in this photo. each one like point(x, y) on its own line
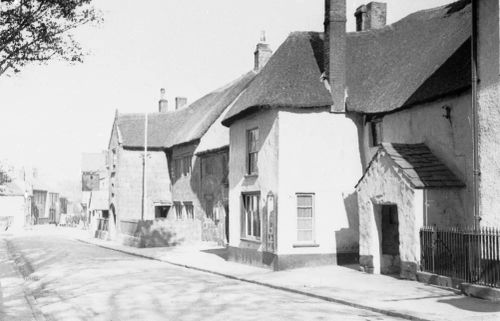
point(475, 162)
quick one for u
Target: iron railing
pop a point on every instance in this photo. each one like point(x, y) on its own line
point(467, 254)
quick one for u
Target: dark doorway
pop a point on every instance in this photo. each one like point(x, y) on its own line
point(390, 260)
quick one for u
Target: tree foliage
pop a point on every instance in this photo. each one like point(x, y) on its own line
point(39, 31)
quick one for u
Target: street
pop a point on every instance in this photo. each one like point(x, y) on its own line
point(70, 280)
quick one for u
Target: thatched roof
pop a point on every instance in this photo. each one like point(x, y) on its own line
point(418, 165)
point(188, 124)
point(418, 58)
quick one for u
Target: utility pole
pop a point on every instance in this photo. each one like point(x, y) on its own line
point(144, 167)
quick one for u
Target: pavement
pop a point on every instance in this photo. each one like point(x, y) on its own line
point(347, 285)
point(16, 303)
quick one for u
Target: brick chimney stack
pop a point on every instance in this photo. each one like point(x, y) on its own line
point(371, 16)
point(163, 102)
point(262, 53)
point(335, 51)
point(180, 102)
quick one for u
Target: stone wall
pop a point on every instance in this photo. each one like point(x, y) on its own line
point(382, 185)
point(127, 184)
point(213, 195)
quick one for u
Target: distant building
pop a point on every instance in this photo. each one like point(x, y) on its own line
point(14, 205)
point(95, 200)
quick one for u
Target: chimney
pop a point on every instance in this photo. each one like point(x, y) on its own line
point(335, 47)
point(371, 16)
point(180, 102)
point(262, 53)
point(163, 102)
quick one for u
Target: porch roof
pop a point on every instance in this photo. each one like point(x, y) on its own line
point(418, 165)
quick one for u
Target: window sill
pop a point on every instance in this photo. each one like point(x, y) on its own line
point(251, 240)
point(251, 175)
point(305, 245)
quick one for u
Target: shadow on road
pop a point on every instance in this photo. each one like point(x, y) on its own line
point(470, 304)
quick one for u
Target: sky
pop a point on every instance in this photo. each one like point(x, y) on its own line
point(53, 113)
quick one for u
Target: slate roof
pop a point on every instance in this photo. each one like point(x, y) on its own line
point(410, 61)
point(166, 130)
point(419, 166)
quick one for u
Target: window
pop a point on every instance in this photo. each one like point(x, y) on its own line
point(252, 216)
point(178, 210)
point(209, 206)
point(189, 210)
point(305, 217)
point(225, 169)
point(161, 211)
point(182, 166)
point(376, 131)
point(252, 153)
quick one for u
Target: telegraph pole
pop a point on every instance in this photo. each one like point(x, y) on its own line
point(144, 167)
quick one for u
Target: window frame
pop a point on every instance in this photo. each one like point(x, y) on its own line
point(376, 131)
point(158, 210)
point(189, 216)
point(248, 170)
point(313, 218)
point(178, 206)
point(244, 223)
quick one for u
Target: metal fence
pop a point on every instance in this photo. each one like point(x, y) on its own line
point(468, 254)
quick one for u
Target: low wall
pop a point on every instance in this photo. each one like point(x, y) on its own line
point(160, 232)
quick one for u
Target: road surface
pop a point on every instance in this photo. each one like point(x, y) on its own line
point(70, 280)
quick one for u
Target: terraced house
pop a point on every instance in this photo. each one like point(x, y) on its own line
point(386, 109)
point(186, 172)
point(338, 148)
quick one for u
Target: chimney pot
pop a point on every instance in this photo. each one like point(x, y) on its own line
point(163, 102)
point(262, 53)
point(371, 16)
point(180, 102)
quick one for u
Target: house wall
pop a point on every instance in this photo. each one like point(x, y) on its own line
point(266, 181)
point(184, 189)
point(214, 195)
point(318, 153)
point(450, 140)
point(382, 185)
point(13, 211)
point(127, 184)
point(488, 114)
point(39, 204)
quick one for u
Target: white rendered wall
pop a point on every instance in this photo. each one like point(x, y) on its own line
point(318, 153)
point(267, 179)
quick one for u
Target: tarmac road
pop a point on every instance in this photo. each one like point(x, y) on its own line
point(70, 280)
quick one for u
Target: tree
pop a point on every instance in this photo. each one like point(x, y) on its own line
point(39, 31)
